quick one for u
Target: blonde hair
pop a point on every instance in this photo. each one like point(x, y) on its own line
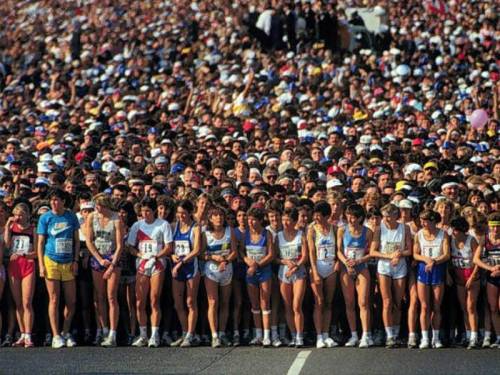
point(22, 207)
point(104, 200)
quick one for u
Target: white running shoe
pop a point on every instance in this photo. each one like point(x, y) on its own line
point(266, 343)
point(424, 344)
point(140, 342)
point(437, 344)
point(330, 343)
point(364, 343)
point(291, 343)
point(58, 342)
point(277, 343)
point(166, 339)
point(352, 342)
point(299, 343)
point(70, 341)
point(256, 341)
point(486, 342)
point(154, 341)
point(320, 344)
point(109, 342)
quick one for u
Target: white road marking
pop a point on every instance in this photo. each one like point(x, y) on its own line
point(298, 363)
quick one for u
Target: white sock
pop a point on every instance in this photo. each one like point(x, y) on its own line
point(267, 334)
point(412, 335)
point(155, 331)
point(27, 336)
point(319, 337)
point(365, 335)
point(425, 335)
point(487, 334)
point(300, 335)
point(105, 331)
point(214, 335)
point(435, 334)
point(354, 334)
point(324, 335)
point(388, 332)
point(98, 332)
point(143, 331)
point(473, 336)
point(258, 333)
point(188, 336)
point(467, 335)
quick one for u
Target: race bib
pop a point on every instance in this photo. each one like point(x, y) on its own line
point(289, 252)
point(326, 253)
point(148, 248)
point(431, 251)
point(182, 248)
point(494, 261)
point(20, 245)
point(391, 247)
point(354, 253)
point(461, 263)
point(224, 251)
point(104, 247)
point(64, 246)
point(255, 254)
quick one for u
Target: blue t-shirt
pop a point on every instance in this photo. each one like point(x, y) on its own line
point(59, 234)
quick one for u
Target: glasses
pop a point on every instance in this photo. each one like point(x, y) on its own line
point(272, 176)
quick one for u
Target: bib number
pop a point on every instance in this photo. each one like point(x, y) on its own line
point(354, 253)
point(494, 261)
point(103, 246)
point(289, 252)
point(255, 254)
point(461, 263)
point(20, 245)
point(391, 247)
point(148, 249)
point(326, 253)
point(64, 246)
point(182, 248)
point(431, 252)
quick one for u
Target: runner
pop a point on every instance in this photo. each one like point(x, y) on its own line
point(292, 255)
point(185, 272)
point(58, 246)
point(432, 250)
point(220, 251)
point(150, 240)
point(321, 239)
point(466, 276)
point(104, 234)
point(354, 241)
point(392, 246)
point(491, 264)
point(19, 238)
point(258, 253)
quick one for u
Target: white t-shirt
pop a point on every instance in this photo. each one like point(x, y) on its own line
point(150, 239)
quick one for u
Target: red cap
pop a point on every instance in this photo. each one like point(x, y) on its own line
point(333, 169)
point(417, 142)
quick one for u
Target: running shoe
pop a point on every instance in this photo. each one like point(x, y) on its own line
point(130, 340)
point(166, 340)
point(390, 343)
point(225, 341)
point(177, 342)
point(473, 344)
point(352, 342)
point(486, 343)
point(236, 340)
point(363, 343)
point(7, 342)
point(424, 344)
point(196, 340)
point(256, 341)
point(320, 343)
point(412, 342)
point(154, 341)
point(216, 342)
point(58, 342)
point(379, 338)
point(330, 343)
point(19, 342)
point(186, 343)
point(48, 340)
point(496, 344)
point(284, 340)
point(277, 343)
point(291, 343)
point(299, 343)
point(98, 339)
point(140, 342)
point(204, 340)
point(437, 344)
point(28, 343)
point(70, 341)
point(109, 342)
point(266, 343)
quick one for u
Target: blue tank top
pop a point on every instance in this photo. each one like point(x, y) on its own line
point(183, 242)
point(354, 247)
point(256, 250)
point(238, 234)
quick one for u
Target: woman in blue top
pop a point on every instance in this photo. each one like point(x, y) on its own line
point(220, 247)
point(354, 241)
point(258, 254)
point(186, 278)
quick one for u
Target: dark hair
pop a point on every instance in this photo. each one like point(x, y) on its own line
point(186, 205)
point(292, 213)
point(149, 203)
point(274, 205)
point(128, 207)
point(212, 211)
point(322, 208)
point(356, 210)
point(430, 215)
point(460, 223)
point(257, 213)
point(57, 193)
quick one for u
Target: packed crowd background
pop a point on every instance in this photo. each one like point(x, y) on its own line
point(267, 173)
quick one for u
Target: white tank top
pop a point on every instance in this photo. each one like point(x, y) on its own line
point(325, 245)
point(431, 249)
point(462, 258)
point(290, 249)
point(220, 246)
point(391, 240)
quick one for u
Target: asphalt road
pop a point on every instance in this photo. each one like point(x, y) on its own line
point(245, 360)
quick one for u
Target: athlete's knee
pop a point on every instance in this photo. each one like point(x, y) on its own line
point(191, 303)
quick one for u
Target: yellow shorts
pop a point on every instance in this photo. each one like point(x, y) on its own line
point(57, 271)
